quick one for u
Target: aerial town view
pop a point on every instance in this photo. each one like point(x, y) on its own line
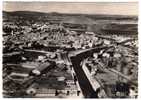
point(60, 50)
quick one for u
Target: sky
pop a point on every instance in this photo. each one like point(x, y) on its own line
point(118, 8)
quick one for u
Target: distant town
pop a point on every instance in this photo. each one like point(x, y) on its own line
point(54, 55)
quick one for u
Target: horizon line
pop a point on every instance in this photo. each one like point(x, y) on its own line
point(71, 13)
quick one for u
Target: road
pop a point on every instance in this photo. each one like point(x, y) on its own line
point(84, 83)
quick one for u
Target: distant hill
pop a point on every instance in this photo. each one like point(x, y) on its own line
point(93, 16)
point(23, 13)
